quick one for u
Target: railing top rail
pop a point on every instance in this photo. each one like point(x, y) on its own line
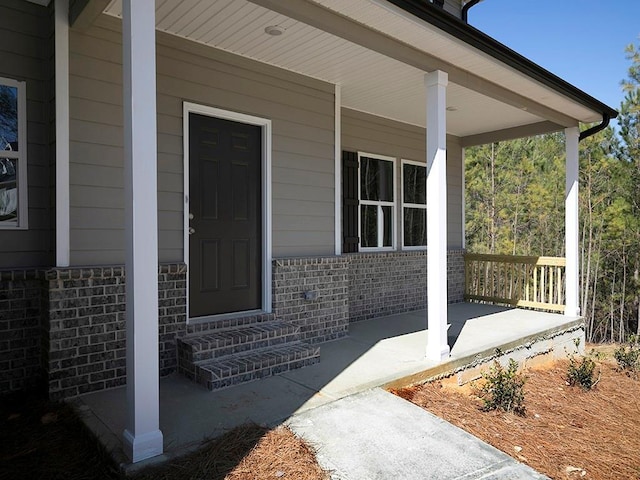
point(515, 259)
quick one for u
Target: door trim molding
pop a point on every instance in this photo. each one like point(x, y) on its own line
point(265, 124)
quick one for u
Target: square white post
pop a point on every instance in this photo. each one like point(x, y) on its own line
point(142, 436)
point(436, 85)
point(572, 307)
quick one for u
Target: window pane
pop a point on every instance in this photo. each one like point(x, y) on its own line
point(369, 221)
point(376, 179)
point(8, 118)
point(8, 191)
point(415, 227)
point(414, 179)
point(387, 213)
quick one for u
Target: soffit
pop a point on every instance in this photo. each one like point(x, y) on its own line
point(370, 82)
point(393, 21)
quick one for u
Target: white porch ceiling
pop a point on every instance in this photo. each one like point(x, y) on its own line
point(370, 81)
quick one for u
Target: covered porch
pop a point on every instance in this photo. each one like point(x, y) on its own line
point(387, 351)
point(401, 62)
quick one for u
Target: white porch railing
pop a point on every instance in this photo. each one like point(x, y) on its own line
point(533, 282)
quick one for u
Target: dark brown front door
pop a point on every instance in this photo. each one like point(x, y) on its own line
point(225, 256)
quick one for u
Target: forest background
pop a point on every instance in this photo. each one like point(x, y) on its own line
point(515, 206)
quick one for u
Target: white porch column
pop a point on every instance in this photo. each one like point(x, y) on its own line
point(142, 436)
point(571, 222)
point(436, 85)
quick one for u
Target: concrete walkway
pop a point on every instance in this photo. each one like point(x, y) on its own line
point(376, 435)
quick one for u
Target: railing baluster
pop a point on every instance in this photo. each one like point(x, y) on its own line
point(532, 282)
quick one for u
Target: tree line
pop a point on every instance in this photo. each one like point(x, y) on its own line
point(515, 194)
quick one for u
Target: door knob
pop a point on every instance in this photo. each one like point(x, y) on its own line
point(192, 230)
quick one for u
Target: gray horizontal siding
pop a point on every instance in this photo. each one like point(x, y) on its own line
point(24, 55)
point(301, 110)
point(368, 133)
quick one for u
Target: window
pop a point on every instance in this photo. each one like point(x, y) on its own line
point(414, 204)
point(13, 155)
point(377, 201)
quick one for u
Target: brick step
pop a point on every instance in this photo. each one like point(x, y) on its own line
point(218, 343)
point(230, 323)
point(232, 370)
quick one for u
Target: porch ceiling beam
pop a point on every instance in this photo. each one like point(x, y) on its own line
point(82, 13)
point(317, 16)
point(510, 133)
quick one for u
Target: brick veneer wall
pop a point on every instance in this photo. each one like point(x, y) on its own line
point(455, 276)
point(324, 315)
point(355, 287)
point(20, 330)
point(86, 328)
point(386, 283)
point(70, 322)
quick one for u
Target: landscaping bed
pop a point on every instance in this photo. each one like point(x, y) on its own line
point(566, 432)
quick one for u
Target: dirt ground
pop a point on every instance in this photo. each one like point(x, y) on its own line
point(566, 433)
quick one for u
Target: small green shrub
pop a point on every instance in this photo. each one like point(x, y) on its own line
point(628, 357)
point(503, 388)
point(582, 372)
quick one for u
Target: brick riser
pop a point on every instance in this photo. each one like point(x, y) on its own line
point(254, 365)
point(223, 355)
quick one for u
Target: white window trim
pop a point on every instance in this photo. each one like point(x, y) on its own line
point(21, 155)
point(379, 204)
point(265, 124)
point(404, 162)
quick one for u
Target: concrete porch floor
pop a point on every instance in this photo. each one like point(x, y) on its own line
point(377, 352)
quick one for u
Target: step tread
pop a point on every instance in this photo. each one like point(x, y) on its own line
point(229, 323)
point(238, 335)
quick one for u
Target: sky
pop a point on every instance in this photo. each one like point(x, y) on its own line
point(581, 41)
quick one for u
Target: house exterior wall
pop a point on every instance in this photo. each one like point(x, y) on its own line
point(324, 314)
point(25, 50)
point(301, 110)
point(371, 134)
point(322, 295)
point(25, 54)
point(81, 346)
point(65, 327)
point(387, 283)
point(85, 335)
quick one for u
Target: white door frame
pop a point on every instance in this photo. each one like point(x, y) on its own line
point(265, 125)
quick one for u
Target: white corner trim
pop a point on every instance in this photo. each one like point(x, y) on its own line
point(338, 168)
point(265, 124)
point(63, 224)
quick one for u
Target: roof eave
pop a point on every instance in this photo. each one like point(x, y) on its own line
point(483, 42)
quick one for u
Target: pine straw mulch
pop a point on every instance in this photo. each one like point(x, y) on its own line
point(45, 440)
point(566, 433)
point(248, 452)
